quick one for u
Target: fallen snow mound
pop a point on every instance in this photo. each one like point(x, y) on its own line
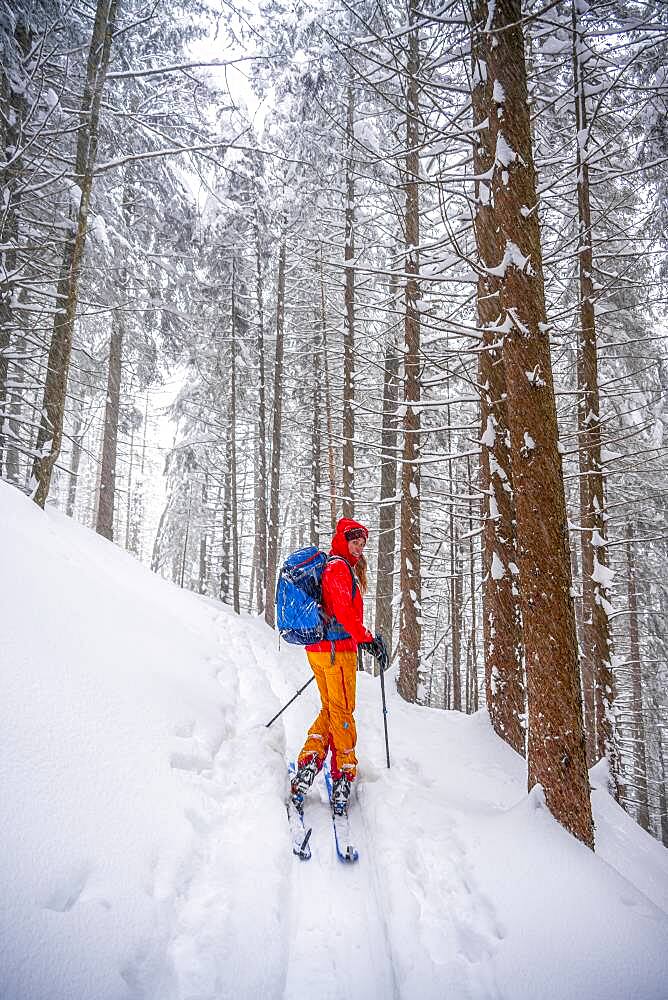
point(145, 850)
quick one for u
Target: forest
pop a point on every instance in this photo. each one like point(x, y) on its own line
point(264, 265)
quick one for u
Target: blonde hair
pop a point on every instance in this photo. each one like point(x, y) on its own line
point(361, 573)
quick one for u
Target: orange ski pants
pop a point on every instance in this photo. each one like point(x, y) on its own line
point(335, 726)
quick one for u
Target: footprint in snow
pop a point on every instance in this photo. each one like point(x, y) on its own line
point(67, 895)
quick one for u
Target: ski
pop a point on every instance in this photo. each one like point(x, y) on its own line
point(301, 834)
point(342, 838)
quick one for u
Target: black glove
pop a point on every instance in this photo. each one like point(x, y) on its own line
point(378, 649)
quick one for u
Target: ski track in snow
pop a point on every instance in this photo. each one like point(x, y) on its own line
point(337, 934)
point(229, 915)
point(444, 930)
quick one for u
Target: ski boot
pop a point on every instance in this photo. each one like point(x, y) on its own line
point(340, 795)
point(302, 781)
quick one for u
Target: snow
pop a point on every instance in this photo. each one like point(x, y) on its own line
point(489, 435)
point(512, 257)
point(498, 570)
point(498, 93)
point(146, 849)
point(505, 154)
point(602, 575)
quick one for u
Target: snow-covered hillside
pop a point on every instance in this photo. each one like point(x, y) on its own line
point(145, 848)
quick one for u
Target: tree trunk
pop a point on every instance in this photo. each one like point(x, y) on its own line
point(315, 447)
point(261, 433)
point(105, 507)
point(77, 447)
point(598, 681)
point(203, 563)
point(236, 601)
point(186, 537)
point(502, 629)
point(473, 642)
point(635, 664)
point(409, 681)
point(129, 499)
point(50, 434)
point(388, 488)
point(348, 450)
point(13, 108)
point(556, 743)
point(455, 630)
point(225, 548)
point(157, 543)
point(331, 461)
point(273, 547)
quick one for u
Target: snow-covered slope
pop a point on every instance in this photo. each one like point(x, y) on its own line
point(145, 850)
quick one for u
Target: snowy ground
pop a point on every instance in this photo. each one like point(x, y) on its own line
point(145, 849)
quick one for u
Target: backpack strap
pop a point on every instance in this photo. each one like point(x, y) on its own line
point(352, 571)
point(332, 645)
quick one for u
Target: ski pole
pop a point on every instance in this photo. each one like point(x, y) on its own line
point(384, 663)
point(311, 678)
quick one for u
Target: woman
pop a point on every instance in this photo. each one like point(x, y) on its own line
point(334, 663)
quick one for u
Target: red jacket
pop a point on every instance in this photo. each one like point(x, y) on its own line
point(337, 595)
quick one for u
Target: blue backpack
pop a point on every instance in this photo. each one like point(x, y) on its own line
point(300, 618)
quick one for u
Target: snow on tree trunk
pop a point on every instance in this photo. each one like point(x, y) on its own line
point(331, 461)
point(203, 543)
point(261, 431)
point(13, 108)
point(348, 451)
point(105, 507)
point(556, 744)
point(410, 628)
point(639, 779)
point(456, 588)
point(314, 532)
point(597, 649)
point(234, 509)
point(502, 620)
point(272, 546)
point(388, 487)
point(75, 460)
point(472, 662)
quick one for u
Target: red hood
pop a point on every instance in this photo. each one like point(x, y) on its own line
point(339, 543)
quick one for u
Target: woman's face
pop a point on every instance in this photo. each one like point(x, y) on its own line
point(356, 547)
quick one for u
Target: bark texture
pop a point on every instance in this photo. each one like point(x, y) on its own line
point(13, 109)
point(388, 487)
point(331, 461)
point(272, 546)
point(261, 436)
point(556, 744)
point(105, 507)
point(315, 445)
point(639, 778)
point(502, 621)
point(348, 451)
point(410, 628)
point(597, 677)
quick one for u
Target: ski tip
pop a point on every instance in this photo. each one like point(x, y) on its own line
point(351, 855)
